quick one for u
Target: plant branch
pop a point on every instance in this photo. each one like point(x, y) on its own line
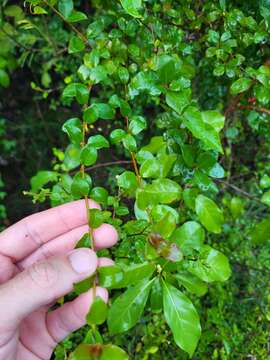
point(73, 28)
point(239, 191)
point(110, 163)
point(255, 108)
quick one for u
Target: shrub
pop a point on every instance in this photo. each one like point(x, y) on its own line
point(169, 104)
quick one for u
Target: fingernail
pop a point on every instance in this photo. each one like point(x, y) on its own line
point(83, 261)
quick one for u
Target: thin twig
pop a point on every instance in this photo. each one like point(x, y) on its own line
point(255, 108)
point(110, 163)
point(238, 190)
point(73, 28)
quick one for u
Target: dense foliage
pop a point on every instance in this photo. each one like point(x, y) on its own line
point(165, 108)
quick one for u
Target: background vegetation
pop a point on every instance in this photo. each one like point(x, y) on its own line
point(138, 57)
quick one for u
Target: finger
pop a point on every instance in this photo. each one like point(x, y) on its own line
point(72, 315)
point(105, 236)
point(29, 234)
point(42, 283)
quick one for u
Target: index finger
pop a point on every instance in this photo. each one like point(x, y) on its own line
point(29, 234)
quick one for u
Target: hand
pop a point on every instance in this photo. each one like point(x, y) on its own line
point(37, 266)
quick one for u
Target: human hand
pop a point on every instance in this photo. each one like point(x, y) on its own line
point(37, 266)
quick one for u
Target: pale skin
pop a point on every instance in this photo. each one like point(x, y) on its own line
point(38, 265)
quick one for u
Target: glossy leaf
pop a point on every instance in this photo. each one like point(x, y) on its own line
point(65, 7)
point(77, 90)
point(182, 318)
point(97, 217)
point(132, 7)
point(161, 191)
point(76, 44)
point(98, 312)
point(192, 283)
point(113, 352)
point(261, 232)
point(240, 85)
point(209, 214)
point(81, 185)
point(73, 128)
point(42, 178)
point(98, 142)
point(88, 155)
point(211, 266)
point(189, 236)
point(128, 307)
point(178, 101)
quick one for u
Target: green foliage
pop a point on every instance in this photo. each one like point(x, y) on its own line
point(166, 117)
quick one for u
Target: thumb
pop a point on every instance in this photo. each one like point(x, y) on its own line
point(42, 283)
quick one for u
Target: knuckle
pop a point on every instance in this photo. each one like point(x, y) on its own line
point(43, 274)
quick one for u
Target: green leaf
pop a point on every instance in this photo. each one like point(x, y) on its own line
point(204, 183)
point(240, 85)
point(261, 232)
point(98, 74)
point(266, 198)
point(76, 44)
point(265, 181)
point(189, 197)
point(128, 307)
point(156, 296)
point(178, 101)
point(128, 182)
point(137, 124)
point(81, 185)
point(117, 135)
point(73, 128)
point(116, 277)
point(165, 219)
point(65, 7)
point(166, 69)
point(97, 217)
point(182, 318)
point(211, 266)
point(42, 178)
point(13, 11)
point(76, 16)
point(98, 312)
point(161, 191)
point(4, 78)
point(98, 351)
point(144, 82)
point(192, 283)
point(113, 352)
point(166, 162)
point(100, 195)
point(129, 143)
point(90, 114)
point(98, 142)
point(132, 7)
point(150, 168)
point(72, 156)
point(88, 155)
point(214, 118)
point(38, 10)
point(110, 276)
point(123, 74)
point(155, 145)
point(193, 120)
point(209, 214)
point(104, 111)
point(189, 236)
point(78, 90)
point(84, 242)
